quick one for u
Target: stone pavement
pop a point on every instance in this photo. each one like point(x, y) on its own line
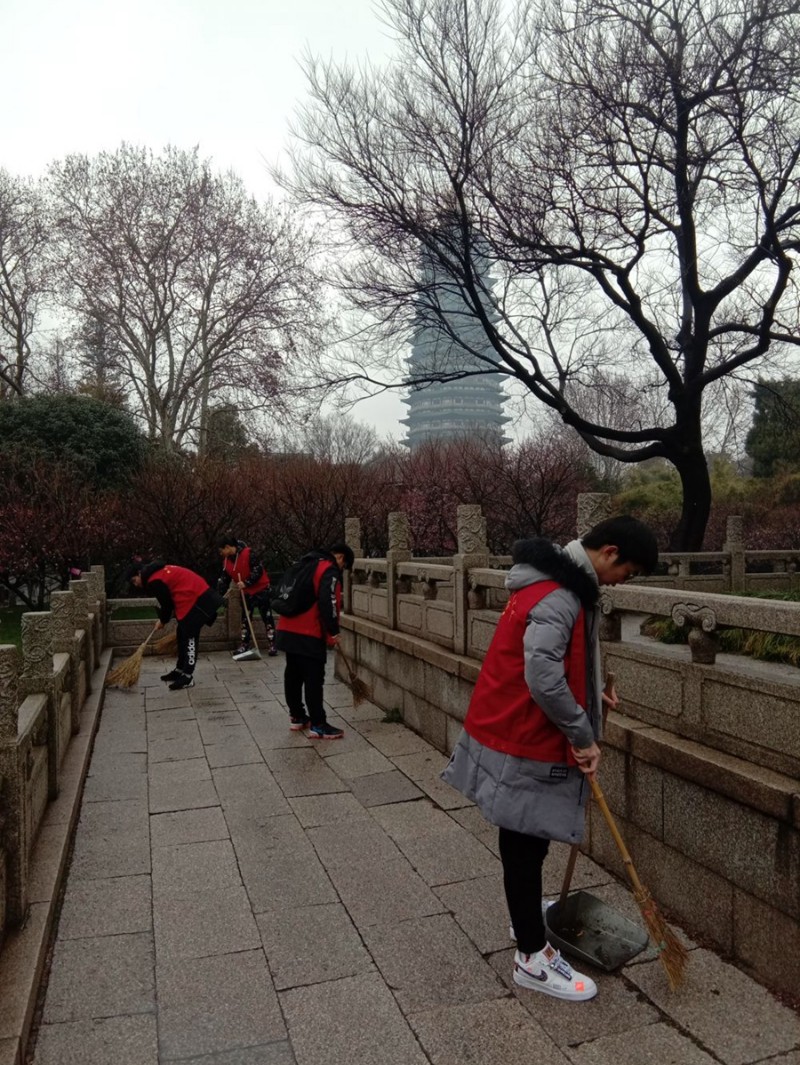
point(241, 895)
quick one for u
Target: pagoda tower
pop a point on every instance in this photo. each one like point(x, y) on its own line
point(451, 408)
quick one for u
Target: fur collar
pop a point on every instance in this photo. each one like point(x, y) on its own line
point(557, 565)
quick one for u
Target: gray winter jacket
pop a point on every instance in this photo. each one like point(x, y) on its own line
point(542, 798)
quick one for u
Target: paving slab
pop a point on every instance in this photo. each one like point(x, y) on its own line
point(211, 1005)
point(312, 944)
point(489, 1033)
point(355, 1020)
point(100, 977)
point(380, 789)
point(350, 842)
point(479, 907)
point(312, 810)
point(383, 892)
point(655, 1044)
point(106, 1041)
point(429, 962)
point(252, 785)
point(188, 826)
point(108, 907)
point(424, 768)
point(184, 868)
point(176, 795)
point(735, 1019)
point(279, 1053)
point(359, 763)
point(392, 739)
point(204, 923)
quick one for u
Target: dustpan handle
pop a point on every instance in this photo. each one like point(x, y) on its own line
point(247, 614)
point(575, 848)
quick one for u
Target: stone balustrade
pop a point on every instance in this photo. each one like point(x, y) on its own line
point(42, 691)
point(702, 761)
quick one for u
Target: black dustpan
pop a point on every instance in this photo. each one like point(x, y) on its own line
point(591, 931)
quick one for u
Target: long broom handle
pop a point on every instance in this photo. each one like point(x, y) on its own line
point(346, 661)
point(247, 615)
point(600, 799)
point(575, 848)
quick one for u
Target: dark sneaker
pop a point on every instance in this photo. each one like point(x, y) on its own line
point(325, 732)
point(272, 652)
point(298, 724)
point(183, 680)
point(172, 675)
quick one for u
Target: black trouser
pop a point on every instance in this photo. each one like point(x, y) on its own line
point(263, 604)
point(523, 857)
point(189, 639)
point(304, 675)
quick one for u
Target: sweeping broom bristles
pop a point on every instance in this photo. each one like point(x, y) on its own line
point(167, 645)
point(360, 689)
point(671, 952)
point(127, 673)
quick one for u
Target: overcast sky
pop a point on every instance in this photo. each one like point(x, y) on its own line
point(84, 75)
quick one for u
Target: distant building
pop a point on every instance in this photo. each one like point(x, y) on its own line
point(451, 408)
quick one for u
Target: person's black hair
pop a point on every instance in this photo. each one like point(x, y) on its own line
point(227, 541)
point(633, 540)
point(133, 570)
point(343, 549)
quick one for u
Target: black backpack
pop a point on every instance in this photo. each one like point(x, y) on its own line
point(294, 593)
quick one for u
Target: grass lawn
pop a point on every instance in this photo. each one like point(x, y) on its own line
point(134, 613)
point(10, 624)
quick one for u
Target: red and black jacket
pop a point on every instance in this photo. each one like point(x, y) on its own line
point(309, 633)
point(502, 713)
point(176, 588)
point(243, 567)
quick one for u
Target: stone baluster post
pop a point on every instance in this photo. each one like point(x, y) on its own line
point(38, 677)
point(62, 607)
point(97, 591)
point(14, 764)
point(352, 537)
point(734, 546)
point(83, 621)
point(473, 553)
point(399, 551)
point(593, 507)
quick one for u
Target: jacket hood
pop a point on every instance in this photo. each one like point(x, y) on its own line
point(541, 560)
point(151, 568)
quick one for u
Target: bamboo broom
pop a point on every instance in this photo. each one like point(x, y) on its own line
point(127, 673)
point(671, 952)
point(167, 645)
point(360, 689)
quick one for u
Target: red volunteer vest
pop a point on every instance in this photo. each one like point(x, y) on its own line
point(502, 714)
point(238, 568)
point(184, 585)
point(309, 623)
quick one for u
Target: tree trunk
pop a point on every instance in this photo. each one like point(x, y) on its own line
point(696, 485)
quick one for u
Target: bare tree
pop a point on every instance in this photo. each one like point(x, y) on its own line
point(24, 278)
point(200, 294)
point(629, 169)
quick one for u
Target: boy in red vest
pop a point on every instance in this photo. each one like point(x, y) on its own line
point(535, 719)
point(306, 637)
point(185, 594)
point(239, 565)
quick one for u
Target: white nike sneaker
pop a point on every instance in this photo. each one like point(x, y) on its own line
point(547, 971)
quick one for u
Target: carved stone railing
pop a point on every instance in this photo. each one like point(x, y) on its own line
point(42, 690)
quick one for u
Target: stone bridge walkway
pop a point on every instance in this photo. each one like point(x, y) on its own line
point(239, 895)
